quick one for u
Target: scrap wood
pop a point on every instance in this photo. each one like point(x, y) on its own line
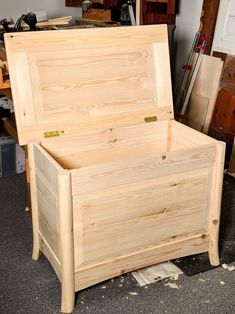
point(62, 18)
point(228, 267)
point(203, 96)
point(51, 22)
point(172, 285)
point(133, 293)
point(148, 275)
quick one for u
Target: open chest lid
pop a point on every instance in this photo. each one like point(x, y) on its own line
point(88, 79)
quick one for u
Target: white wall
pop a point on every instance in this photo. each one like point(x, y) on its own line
point(224, 38)
point(187, 24)
point(54, 8)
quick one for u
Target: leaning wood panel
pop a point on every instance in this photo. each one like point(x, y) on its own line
point(202, 100)
point(121, 215)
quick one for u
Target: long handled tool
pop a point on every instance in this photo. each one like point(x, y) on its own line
point(193, 68)
point(201, 48)
point(187, 70)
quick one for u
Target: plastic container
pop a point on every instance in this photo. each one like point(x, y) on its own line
point(7, 155)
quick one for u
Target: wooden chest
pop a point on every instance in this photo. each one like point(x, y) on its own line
point(116, 183)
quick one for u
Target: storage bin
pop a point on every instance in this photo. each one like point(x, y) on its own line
point(7, 155)
point(116, 183)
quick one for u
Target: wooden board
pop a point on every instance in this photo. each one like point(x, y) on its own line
point(122, 215)
point(60, 83)
point(232, 160)
point(189, 245)
point(44, 24)
point(46, 172)
point(77, 151)
point(223, 119)
point(202, 100)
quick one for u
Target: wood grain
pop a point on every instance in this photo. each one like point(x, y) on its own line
point(135, 193)
point(91, 275)
point(216, 194)
point(121, 172)
point(75, 86)
point(202, 100)
point(164, 206)
point(66, 242)
point(77, 151)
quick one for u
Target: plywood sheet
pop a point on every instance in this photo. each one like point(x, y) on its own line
point(202, 101)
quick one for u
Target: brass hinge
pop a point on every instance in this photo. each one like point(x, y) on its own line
point(150, 119)
point(51, 134)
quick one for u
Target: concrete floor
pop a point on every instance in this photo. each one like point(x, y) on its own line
point(31, 287)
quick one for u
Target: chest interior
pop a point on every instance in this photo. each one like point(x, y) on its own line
point(126, 143)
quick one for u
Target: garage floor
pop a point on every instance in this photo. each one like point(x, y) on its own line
point(30, 287)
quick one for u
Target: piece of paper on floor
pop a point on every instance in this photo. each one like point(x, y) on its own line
point(151, 274)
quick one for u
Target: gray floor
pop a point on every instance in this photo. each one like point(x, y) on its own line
point(30, 287)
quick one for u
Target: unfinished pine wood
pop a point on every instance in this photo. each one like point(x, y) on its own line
point(115, 173)
point(122, 214)
point(78, 88)
point(66, 242)
point(112, 144)
point(120, 169)
point(47, 196)
point(188, 135)
point(90, 275)
point(34, 202)
point(202, 100)
point(216, 204)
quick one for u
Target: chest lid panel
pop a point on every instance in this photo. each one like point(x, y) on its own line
point(88, 79)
